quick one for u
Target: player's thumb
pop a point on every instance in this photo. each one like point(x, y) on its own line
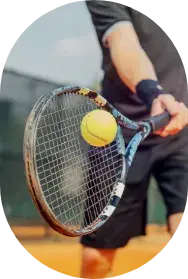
point(157, 107)
point(165, 102)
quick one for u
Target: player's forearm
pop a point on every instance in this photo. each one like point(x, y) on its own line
point(130, 60)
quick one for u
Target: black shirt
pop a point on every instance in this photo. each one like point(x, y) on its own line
point(157, 45)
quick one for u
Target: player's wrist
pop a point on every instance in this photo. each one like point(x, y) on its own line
point(148, 90)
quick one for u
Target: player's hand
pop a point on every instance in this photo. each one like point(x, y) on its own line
point(178, 112)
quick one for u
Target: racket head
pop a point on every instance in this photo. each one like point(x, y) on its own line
point(75, 187)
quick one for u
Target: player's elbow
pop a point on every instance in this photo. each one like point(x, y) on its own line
point(123, 37)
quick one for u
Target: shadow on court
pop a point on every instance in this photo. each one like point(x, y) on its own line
point(63, 254)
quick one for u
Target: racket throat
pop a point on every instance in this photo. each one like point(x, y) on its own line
point(114, 200)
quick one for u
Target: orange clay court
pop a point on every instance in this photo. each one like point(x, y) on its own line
point(63, 254)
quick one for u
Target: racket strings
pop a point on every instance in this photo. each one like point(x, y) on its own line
point(55, 192)
point(76, 180)
point(73, 191)
point(81, 194)
point(88, 197)
point(92, 205)
point(60, 214)
point(82, 163)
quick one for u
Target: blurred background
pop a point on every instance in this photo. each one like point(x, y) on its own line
point(60, 48)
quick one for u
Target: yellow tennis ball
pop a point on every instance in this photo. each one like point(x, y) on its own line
point(98, 128)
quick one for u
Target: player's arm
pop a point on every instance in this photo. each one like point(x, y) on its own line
point(129, 58)
point(115, 30)
point(133, 65)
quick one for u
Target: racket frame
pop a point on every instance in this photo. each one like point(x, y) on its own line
point(127, 155)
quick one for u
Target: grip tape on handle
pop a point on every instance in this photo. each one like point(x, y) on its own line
point(160, 121)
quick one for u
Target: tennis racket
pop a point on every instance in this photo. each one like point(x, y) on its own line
point(76, 187)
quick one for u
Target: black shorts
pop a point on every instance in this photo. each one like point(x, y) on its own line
point(168, 163)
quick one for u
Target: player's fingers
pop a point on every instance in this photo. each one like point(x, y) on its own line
point(169, 132)
point(163, 102)
point(177, 123)
point(157, 107)
point(170, 104)
point(185, 110)
point(178, 112)
point(158, 132)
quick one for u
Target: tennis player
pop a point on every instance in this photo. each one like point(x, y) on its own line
point(143, 75)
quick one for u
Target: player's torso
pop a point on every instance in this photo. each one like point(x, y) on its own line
point(159, 48)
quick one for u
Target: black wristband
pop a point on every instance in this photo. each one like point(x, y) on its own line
point(147, 90)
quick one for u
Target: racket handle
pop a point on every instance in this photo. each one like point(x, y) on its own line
point(160, 121)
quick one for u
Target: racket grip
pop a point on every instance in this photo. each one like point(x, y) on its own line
point(160, 121)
